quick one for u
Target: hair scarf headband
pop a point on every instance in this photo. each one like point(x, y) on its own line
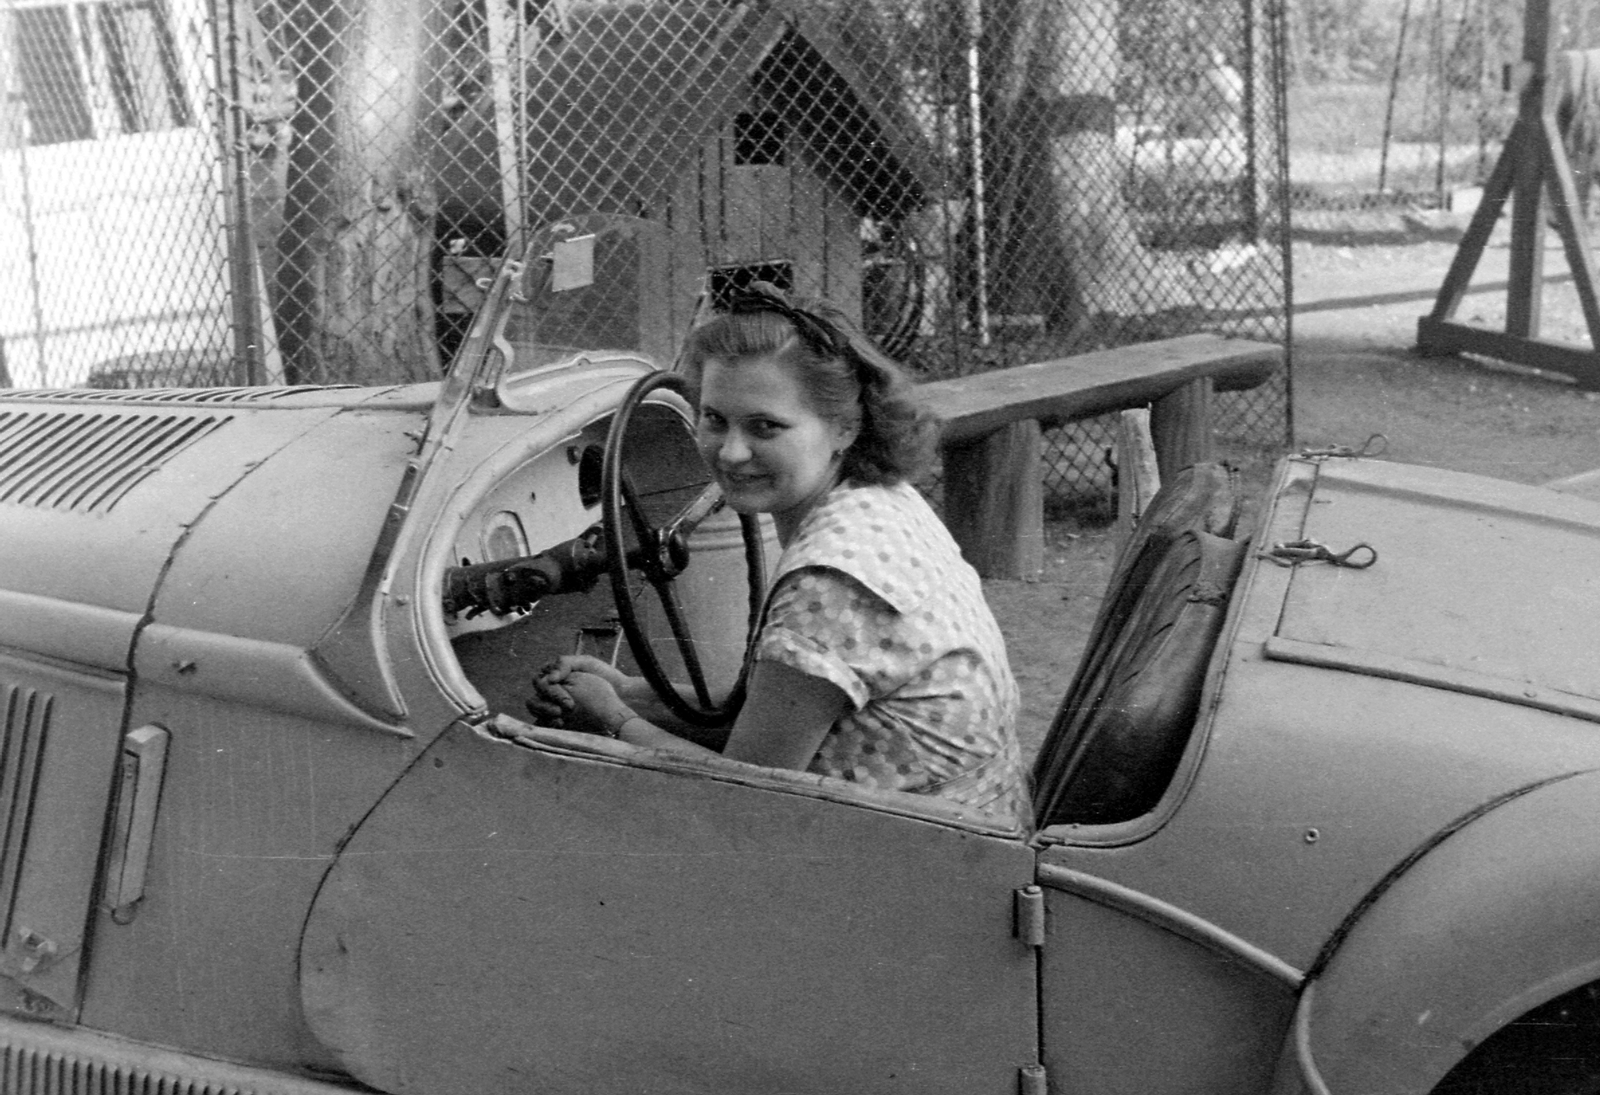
point(815, 331)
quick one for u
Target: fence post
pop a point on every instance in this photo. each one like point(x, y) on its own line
point(242, 290)
point(507, 34)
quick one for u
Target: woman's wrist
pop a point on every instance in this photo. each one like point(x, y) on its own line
point(618, 718)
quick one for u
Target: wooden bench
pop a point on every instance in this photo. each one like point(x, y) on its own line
point(993, 481)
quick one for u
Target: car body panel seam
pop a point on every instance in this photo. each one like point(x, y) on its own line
point(1336, 940)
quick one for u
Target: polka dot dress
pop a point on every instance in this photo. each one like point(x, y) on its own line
point(873, 596)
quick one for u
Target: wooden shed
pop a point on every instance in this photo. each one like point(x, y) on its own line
point(755, 133)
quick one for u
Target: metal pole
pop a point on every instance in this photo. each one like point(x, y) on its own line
point(14, 128)
point(979, 207)
point(231, 128)
point(35, 289)
point(506, 30)
point(1394, 83)
point(1442, 74)
point(1250, 184)
point(1277, 19)
point(1478, 103)
point(1527, 205)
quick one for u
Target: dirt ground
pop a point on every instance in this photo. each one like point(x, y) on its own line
point(1359, 288)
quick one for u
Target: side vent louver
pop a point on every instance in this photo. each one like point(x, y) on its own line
point(26, 715)
point(87, 461)
point(26, 1071)
point(42, 1059)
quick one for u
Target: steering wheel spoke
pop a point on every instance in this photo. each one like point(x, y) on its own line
point(706, 503)
point(686, 648)
point(643, 533)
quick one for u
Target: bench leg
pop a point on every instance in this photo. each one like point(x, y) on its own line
point(1138, 479)
point(994, 501)
point(1180, 425)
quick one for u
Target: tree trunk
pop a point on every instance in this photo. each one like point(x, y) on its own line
point(354, 304)
point(1034, 270)
point(1053, 69)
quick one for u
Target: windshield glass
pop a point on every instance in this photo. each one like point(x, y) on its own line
point(605, 282)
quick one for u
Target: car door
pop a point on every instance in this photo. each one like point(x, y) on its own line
point(1141, 996)
point(562, 913)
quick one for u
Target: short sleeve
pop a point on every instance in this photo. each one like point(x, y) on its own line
point(820, 621)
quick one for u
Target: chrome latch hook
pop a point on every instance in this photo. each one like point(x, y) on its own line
point(1287, 554)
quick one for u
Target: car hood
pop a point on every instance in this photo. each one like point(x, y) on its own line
point(100, 490)
point(1477, 586)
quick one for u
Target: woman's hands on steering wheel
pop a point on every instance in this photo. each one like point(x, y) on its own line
point(583, 693)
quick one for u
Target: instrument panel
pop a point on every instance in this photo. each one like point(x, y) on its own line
point(552, 497)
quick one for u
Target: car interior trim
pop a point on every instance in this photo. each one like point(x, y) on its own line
point(528, 391)
point(562, 424)
point(1371, 663)
point(930, 808)
point(1170, 917)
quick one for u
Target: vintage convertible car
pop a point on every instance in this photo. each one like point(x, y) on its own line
point(1318, 813)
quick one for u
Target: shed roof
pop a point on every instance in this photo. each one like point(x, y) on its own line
point(619, 106)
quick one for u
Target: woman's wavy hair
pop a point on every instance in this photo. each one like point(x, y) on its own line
point(846, 377)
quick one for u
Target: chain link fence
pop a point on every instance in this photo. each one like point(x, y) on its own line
point(310, 191)
point(111, 248)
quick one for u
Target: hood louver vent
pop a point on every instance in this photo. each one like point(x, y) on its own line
point(172, 395)
point(87, 462)
point(26, 720)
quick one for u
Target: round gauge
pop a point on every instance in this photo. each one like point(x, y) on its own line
point(503, 537)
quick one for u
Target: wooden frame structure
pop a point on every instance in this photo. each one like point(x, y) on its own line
point(1532, 167)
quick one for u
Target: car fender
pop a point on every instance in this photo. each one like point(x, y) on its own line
point(1495, 914)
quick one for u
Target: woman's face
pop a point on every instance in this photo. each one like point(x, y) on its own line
point(770, 452)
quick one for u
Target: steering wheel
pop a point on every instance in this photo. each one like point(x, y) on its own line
point(660, 554)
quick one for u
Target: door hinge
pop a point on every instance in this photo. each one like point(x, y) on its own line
point(1029, 916)
point(1031, 1080)
point(38, 951)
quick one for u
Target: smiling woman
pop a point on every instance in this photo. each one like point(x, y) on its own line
point(876, 659)
point(770, 452)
